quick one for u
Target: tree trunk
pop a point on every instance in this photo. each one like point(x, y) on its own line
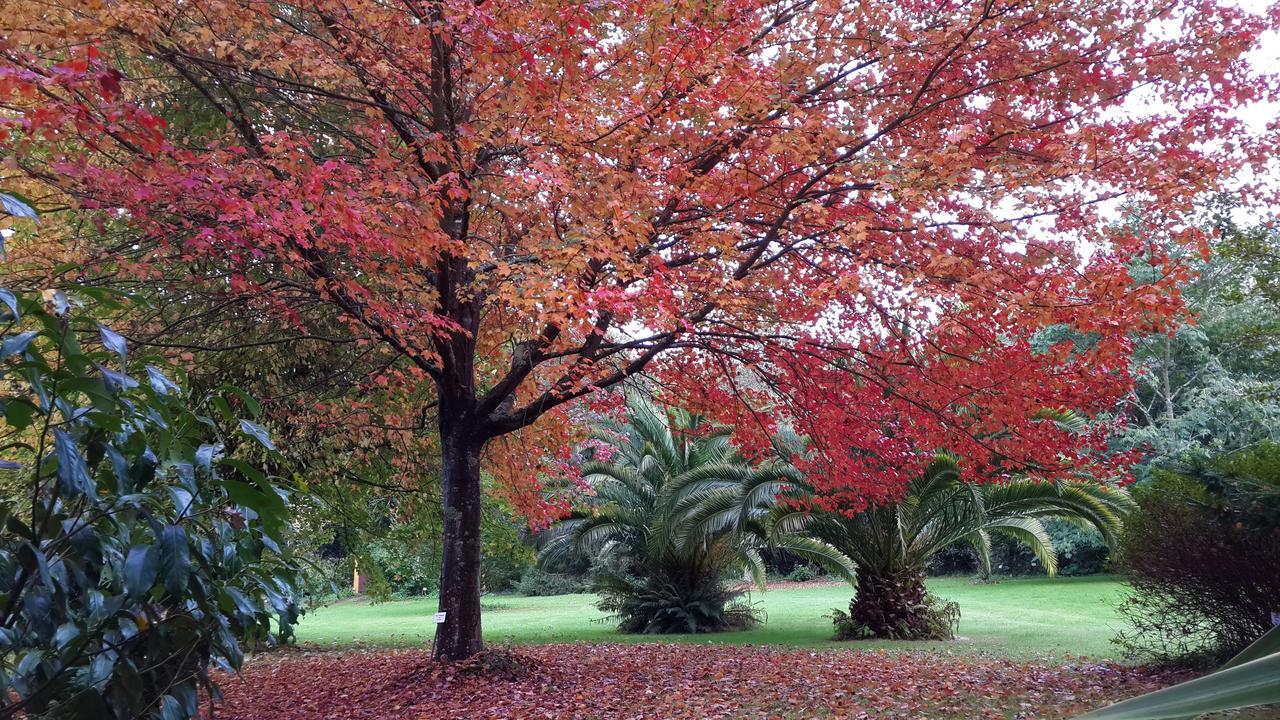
point(458, 637)
point(896, 605)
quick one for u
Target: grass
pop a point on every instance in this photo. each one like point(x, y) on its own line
point(1024, 618)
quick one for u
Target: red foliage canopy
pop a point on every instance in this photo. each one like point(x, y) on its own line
point(861, 218)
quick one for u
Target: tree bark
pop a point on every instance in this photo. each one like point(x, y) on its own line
point(458, 637)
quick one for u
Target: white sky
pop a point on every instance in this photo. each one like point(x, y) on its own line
point(1265, 57)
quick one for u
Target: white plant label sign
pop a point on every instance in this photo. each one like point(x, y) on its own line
point(440, 617)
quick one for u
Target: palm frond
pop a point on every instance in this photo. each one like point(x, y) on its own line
point(1030, 532)
point(981, 543)
point(940, 509)
point(820, 553)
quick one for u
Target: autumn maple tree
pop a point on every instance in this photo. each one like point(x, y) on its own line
point(864, 219)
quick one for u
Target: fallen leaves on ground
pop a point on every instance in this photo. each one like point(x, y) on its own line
point(669, 682)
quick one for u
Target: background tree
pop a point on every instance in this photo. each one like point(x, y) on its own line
point(520, 205)
point(891, 544)
point(1202, 428)
point(1212, 384)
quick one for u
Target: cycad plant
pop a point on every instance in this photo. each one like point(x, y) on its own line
point(675, 523)
point(892, 544)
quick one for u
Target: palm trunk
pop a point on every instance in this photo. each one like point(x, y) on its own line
point(895, 604)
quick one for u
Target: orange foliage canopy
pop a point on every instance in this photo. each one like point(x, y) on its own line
point(863, 219)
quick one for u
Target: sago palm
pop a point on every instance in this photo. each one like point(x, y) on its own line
point(675, 519)
point(892, 544)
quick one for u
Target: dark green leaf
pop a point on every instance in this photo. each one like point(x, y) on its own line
point(72, 471)
point(181, 500)
point(175, 559)
point(187, 699)
point(249, 402)
point(17, 344)
point(100, 670)
point(66, 634)
point(258, 432)
point(161, 384)
point(171, 709)
point(114, 341)
point(223, 408)
point(18, 413)
point(241, 601)
point(245, 469)
point(117, 382)
point(11, 301)
point(141, 567)
point(143, 469)
point(17, 208)
point(268, 505)
point(205, 455)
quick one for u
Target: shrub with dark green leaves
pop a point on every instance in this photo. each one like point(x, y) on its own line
point(1080, 552)
point(957, 559)
point(402, 559)
point(1203, 557)
point(409, 565)
point(803, 573)
point(327, 579)
point(538, 583)
point(505, 556)
point(139, 548)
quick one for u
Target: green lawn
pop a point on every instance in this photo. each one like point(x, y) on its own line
point(1033, 617)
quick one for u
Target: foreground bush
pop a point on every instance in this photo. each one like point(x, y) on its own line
point(1203, 557)
point(135, 551)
